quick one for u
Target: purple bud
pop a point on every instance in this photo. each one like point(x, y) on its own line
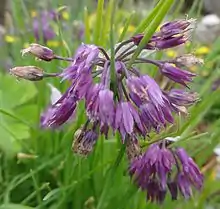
point(30, 73)
point(171, 34)
point(176, 74)
point(84, 142)
point(179, 97)
point(41, 52)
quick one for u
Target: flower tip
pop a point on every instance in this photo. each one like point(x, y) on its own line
point(39, 51)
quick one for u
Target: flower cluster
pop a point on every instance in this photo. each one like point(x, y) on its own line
point(161, 168)
point(120, 98)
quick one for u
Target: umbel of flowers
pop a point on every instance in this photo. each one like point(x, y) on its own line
point(125, 100)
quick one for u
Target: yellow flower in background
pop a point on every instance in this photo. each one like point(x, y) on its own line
point(10, 39)
point(53, 43)
point(65, 15)
point(171, 53)
point(130, 29)
point(33, 13)
point(203, 50)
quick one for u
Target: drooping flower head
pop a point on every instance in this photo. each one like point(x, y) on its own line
point(161, 168)
point(119, 98)
point(171, 34)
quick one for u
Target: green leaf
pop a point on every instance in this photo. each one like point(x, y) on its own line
point(144, 23)
point(159, 15)
point(98, 25)
point(87, 26)
point(13, 127)
point(14, 93)
point(14, 206)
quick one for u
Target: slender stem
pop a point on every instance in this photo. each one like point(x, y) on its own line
point(104, 53)
point(154, 62)
point(135, 71)
point(48, 75)
point(122, 44)
point(63, 58)
point(124, 51)
point(95, 74)
point(125, 92)
point(126, 54)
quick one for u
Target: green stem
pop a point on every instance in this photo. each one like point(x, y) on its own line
point(109, 178)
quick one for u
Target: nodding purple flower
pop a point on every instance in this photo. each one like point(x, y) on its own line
point(106, 107)
point(189, 169)
point(154, 164)
point(121, 98)
point(154, 107)
point(126, 119)
point(180, 97)
point(83, 61)
point(59, 113)
point(153, 172)
point(171, 34)
point(176, 74)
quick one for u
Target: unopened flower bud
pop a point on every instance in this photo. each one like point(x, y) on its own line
point(41, 52)
point(84, 142)
point(188, 60)
point(31, 73)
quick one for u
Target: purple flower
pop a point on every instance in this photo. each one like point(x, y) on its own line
point(154, 107)
point(184, 185)
point(179, 97)
point(100, 105)
point(106, 107)
point(161, 168)
point(154, 194)
point(144, 89)
point(176, 74)
point(41, 52)
point(83, 61)
point(58, 113)
point(154, 165)
point(126, 119)
point(171, 34)
point(189, 169)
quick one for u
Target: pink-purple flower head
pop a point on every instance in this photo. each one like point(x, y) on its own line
point(176, 74)
point(60, 112)
point(161, 168)
point(171, 34)
point(128, 102)
point(85, 57)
